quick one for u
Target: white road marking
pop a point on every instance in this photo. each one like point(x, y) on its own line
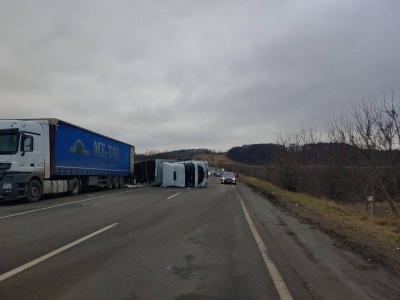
point(280, 285)
point(173, 196)
point(51, 254)
point(64, 204)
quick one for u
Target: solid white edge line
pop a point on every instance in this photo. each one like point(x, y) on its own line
point(279, 283)
point(51, 254)
point(64, 204)
point(173, 196)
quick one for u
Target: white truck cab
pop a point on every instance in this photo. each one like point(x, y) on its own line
point(191, 173)
point(22, 156)
point(173, 174)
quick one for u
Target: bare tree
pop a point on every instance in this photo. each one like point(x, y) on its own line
point(288, 160)
point(372, 128)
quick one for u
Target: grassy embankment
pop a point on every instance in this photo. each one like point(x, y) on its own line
point(371, 235)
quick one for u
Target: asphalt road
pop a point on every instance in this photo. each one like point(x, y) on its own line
point(222, 242)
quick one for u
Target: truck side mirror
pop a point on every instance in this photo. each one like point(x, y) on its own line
point(26, 144)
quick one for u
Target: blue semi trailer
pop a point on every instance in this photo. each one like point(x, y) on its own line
point(49, 156)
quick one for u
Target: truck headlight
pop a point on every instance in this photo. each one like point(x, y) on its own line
point(7, 186)
point(5, 166)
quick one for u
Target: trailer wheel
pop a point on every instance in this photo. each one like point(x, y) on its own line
point(121, 182)
point(34, 191)
point(75, 187)
point(116, 182)
point(110, 181)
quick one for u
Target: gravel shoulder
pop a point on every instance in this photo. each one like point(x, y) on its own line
point(343, 237)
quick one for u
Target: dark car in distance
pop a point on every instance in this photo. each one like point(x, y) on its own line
point(228, 177)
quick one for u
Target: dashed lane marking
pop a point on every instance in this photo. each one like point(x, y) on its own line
point(64, 204)
point(51, 254)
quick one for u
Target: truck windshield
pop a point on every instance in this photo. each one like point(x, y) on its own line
point(9, 141)
point(189, 175)
point(200, 177)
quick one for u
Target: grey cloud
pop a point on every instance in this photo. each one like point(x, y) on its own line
point(184, 74)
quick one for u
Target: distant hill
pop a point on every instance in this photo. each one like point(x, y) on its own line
point(319, 153)
point(255, 154)
point(184, 154)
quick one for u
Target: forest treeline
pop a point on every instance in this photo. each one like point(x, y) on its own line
point(320, 153)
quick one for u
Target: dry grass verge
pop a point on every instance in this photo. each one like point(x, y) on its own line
point(376, 238)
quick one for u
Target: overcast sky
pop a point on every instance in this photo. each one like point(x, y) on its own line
point(169, 75)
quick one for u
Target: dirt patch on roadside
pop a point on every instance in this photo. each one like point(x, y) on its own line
point(343, 237)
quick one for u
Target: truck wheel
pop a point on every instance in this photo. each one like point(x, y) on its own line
point(110, 181)
point(116, 182)
point(34, 191)
point(75, 187)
